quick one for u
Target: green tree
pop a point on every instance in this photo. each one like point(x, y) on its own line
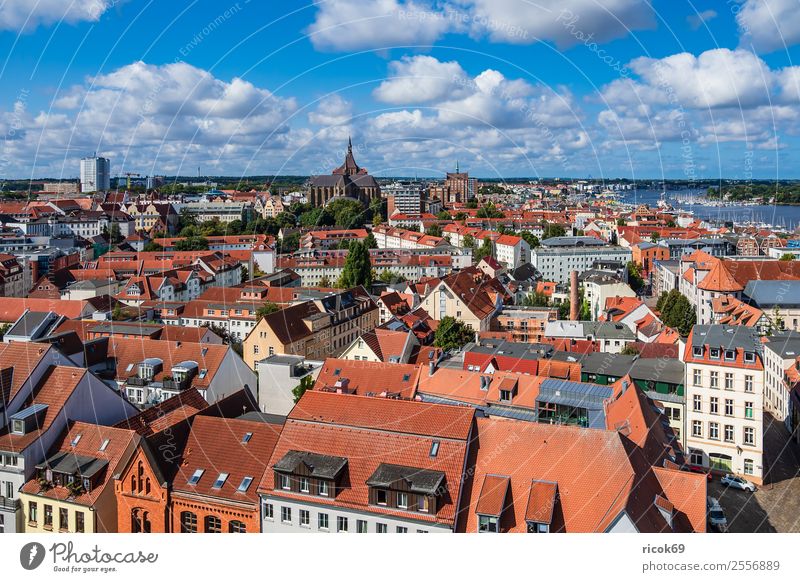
point(654, 237)
point(635, 279)
point(357, 267)
point(443, 215)
point(290, 243)
point(485, 250)
point(530, 238)
point(552, 230)
point(266, 309)
point(306, 383)
point(787, 257)
point(472, 204)
point(452, 334)
point(564, 309)
point(326, 282)
point(193, 243)
point(536, 299)
point(371, 242)
point(152, 246)
point(347, 213)
point(434, 230)
point(114, 234)
point(388, 276)
point(621, 222)
point(677, 312)
point(629, 350)
point(489, 211)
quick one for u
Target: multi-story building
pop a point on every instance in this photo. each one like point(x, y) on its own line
point(95, 174)
point(524, 324)
point(399, 469)
point(313, 329)
point(12, 277)
point(725, 399)
point(556, 263)
point(781, 375)
point(403, 198)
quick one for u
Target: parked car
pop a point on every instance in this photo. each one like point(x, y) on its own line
point(738, 483)
point(699, 469)
point(716, 516)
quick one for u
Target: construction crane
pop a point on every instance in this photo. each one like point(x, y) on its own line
point(128, 176)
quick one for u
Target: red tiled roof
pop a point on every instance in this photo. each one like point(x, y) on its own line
point(368, 378)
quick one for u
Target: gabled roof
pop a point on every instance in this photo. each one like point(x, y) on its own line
point(368, 378)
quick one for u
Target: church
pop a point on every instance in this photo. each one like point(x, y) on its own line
point(348, 180)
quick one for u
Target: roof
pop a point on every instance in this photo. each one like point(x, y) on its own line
point(368, 378)
point(781, 293)
point(103, 463)
point(492, 500)
point(165, 414)
point(221, 445)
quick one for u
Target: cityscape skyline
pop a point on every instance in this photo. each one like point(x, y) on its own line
point(671, 90)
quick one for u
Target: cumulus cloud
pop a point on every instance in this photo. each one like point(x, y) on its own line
point(25, 15)
point(701, 18)
point(769, 25)
point(332, 111)
point(421, 79)
point(342, 25)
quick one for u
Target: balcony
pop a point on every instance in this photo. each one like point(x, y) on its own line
point(11, 504)
point(136, 381)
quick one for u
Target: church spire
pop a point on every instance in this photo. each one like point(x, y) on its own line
point(457, 172)
point(349, 145)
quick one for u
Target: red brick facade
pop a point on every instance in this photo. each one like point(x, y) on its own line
point(226, 514)
point(142, 503)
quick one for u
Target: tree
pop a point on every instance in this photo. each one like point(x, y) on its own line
point(443, 215)
point(787, 257)
point(434, 230)
point(452, 334)
point(629, 350)
point(654, 237)
point(552, 230)
point(472, 204)
point(486, 250)
point(536, 299)
point(347, 213)
point(290, 243)
point(677, 312)
point(325, 282)
point(357, 267)
point(371, 242)
point(585, 312)
point(114, 234)
point(152, 246)
point(245, 272)
point(306, 383)
point(635, 279)
point(468, 241)
point(621, 222)
point(530, 238)
point(265, 310)
point(564, 309)
point(193, 243)
point(4, 329)
point(388, 276)
point(489, 211)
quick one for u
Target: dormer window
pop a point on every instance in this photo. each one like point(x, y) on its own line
point(749, 357)
point(323, 488)
point(505, 395)
point(730, 355)
point(18, 427)
point(487, 524)
point(714, 353)
point(381, 496)
point(286, 483)
point(697, 351)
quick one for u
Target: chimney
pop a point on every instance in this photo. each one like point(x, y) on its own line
point(574, 308)
point(431, 368)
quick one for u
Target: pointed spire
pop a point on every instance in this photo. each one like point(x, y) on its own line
point(457, 172)
point(349, 145)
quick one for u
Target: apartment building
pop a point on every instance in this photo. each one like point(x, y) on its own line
point(781, 375)
point(469, 295)
point(313, 329)
point(555, 263)
point(725, 399)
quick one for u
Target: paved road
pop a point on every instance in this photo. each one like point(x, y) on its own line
point(775, 507)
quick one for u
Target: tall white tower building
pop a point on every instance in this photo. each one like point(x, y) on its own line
point(95, 174)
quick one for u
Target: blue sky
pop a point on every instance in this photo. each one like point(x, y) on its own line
point(574, 88)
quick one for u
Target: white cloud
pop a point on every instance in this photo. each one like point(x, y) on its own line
point(769, 25)
point(701, 18)
point(331, 111)
point(421, 79)
point(25, 15)
point(345, 25)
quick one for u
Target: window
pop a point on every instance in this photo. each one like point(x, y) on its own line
point(269, 511)
point(104, 444)
point(434, 449)
point(748, 410)
point(304, 485)
point(698, 403)
point(713, 407)
point(422, 531)
point(714, 353)
point(748, 466)
point(697, 351)
point(697, 379)
point(236, 526)
point(749, 436)
point(32, 512)
point(286, 514)
point(285, 482)
point(305, 518)
point(381, 496)
point(749, 357)
point(341, 524)
point(728, 381)
point(196, 476)
point(714, 379)
point(697, 428)
point(245, 484)
point(213, 524)
point(220, 481)
point(381, 528)
point(423, 504)
point(401, 529)
point(361, 526)
point(48, 516)
point(246, 438)
point(402, 500)
point(728, 433)
point(713, 431)
point(728, 407)
point(322, 521)
point(188, 522)
point(730, 355)
point(323, 488)
point(487, 524)
point(63, 518)
point(505, 395)
point(748, 383)
point(79, 525)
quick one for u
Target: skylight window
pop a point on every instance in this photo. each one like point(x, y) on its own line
point(245, 484)
point(406, 377)
point(434, 448)
point(220, 481)
point(196, 476)
point(76, 440)
point(105, 444)
point(246, 438)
